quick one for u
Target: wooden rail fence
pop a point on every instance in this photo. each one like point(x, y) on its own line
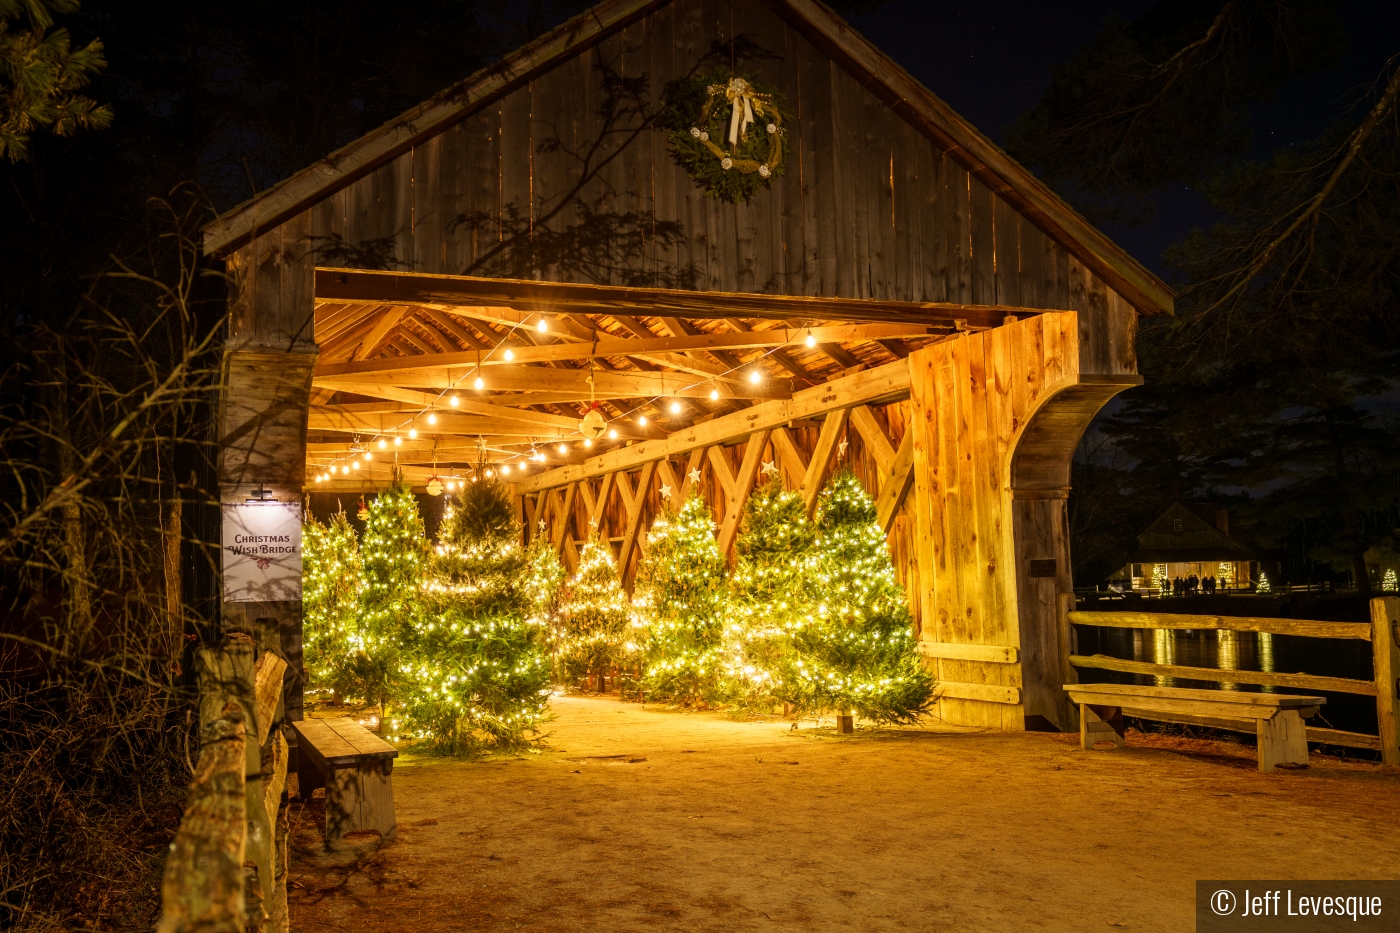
point(1383, 632)
point(227, 869)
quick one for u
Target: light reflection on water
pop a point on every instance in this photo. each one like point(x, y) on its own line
point(1240, 651)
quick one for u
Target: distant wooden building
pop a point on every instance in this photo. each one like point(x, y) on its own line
point(901, 296)
point(1188, 540)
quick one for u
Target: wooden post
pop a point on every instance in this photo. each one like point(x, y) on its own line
point(1385, 648)
point(845, 723)
point(1068, 648)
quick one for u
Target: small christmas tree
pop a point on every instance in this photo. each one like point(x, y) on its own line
point(330, 592)
point(479, 674)
point(770, 591)
point(1389, 583)
point(394, 554)
point(596, 630)
point(1263, 586)
point(1159, 579)
point(681, 591)
point(544, 576)
point(856, 650)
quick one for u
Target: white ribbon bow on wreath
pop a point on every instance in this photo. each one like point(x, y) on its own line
point(740, 92)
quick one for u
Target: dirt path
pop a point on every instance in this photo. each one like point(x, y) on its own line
point(640, 819)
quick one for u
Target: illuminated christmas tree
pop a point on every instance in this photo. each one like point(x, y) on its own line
point(1263, 586)
point(770, 591)
point(544, 576)
point(855, 651)
point(478, 671)
point(681, 591)
point(1389, 583)
point(330, 594)
point(394, 553)
point(596, 631)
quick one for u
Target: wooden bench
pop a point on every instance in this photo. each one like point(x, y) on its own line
point(355, 766)
point(1276, 719)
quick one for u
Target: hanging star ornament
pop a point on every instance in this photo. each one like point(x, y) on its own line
point(693, 475)
point(769, 466)
point(841, 448)
point(665, 491)
point(543, 526)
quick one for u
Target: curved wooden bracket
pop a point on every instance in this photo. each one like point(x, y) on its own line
point(1041, 456)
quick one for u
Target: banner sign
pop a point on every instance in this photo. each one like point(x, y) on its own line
point(262, 552)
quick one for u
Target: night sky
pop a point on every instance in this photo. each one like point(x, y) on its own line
point(992, 61)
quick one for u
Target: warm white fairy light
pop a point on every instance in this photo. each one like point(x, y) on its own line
point(382, 443)
point(369, 456)
point(811, 340)
point(509, 354)
point(612, 434)
point(432, 418)
point(355, 465)
point(543, 326)
point(642, 420)
point(563, 449)
point(588, 442)
point(714, 395)
point(412, 432)
point(398, 442)
point(675, 408)
point(756, 377)
point(454, 401)
point(479, 383)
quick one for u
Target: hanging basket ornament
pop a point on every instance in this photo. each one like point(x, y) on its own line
point(727, 133)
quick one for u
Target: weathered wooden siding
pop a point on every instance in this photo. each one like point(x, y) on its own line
point(568, 178)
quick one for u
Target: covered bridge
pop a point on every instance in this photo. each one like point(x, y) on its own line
point(465, 282)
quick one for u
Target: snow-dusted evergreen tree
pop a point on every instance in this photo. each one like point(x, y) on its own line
point(681, 592)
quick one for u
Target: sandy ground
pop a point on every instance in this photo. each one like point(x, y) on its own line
point(642, 818)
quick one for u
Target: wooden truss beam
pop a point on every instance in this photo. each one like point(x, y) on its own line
point(570, 384)
point(553, 298)
point(662, 346)
point(882, 384)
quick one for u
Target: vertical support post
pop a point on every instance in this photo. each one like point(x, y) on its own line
point(1068, 647)
point(1385, 648)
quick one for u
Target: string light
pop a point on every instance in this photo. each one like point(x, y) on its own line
point(369, 456)
point(412, 433)
point(454, 401)
point(480, 383)
point(509, 354)
point(563, 450)
point(811, 340)
point(382, 444)
point(588, 442)
point(543, 326)
point(714, 396)
point(432, 418)
point(398, 441)
point(612, 433)
point(642, 420)
point(756, 377)
point(675, 408)
point(355, 465)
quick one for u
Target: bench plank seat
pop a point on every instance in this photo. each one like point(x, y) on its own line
point(1278, 719)
point(355, 766)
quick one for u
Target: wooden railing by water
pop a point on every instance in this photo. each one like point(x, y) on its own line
point(227, 869)
point(1383, 632)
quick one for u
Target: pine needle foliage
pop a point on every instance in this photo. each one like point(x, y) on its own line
point(332, 573)
point(478, 672)
point(544, 578)
point(770, 590)
point(394, 555)
point(596, 630)
point(681, 590)
point(40, 75)
point(855, 649)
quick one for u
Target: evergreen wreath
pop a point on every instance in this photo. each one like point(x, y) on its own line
point(727, 133)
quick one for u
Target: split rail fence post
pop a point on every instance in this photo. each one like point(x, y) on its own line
point(1385, 648)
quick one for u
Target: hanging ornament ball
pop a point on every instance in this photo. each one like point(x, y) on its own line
point(363, 513)
point(593, 424)
point(726, 163)
point(434, 487)
point(765, 171)
point(772, 128)
point(695, 131)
